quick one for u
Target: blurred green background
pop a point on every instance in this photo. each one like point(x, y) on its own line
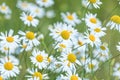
point(107, 9)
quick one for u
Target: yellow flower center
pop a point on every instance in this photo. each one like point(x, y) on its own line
point(29, 18)
point(39, 58)
point(103, 47)
point(10, 39)
point(80, 43)
point(62, 45)
point(1, 78)
point(93, 20)
point(3, 7)
point(92, 37)
point(70, 17)
point(73, 77)
point(92, 1)
point(37, 10)
point(30, 35)
point(24, 46)
point(115, 19)
point(65, 34)
point(6, 48)
point(48, 59)
point(91, 66)
point(38, 75)
point(97, 30)
point(24, 4)
point(8, 66)
point(71, 57)
point(44, 0)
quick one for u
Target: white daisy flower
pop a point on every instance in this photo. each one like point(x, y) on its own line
point(99, 31)
point(5, 9)
point(92, 39)
point(114, 22)
point(92, 3)
point(8, 39)
point(39, 58)
point(29, 37)
point(70, 18)
point(39, 12)
point(29, 19)
point(72, 76)
point(24, 5)
point(91, 20)
point(45, 3)
point(62, 32)
point(68, 61)
point(63, 46)
point(50, 14)
point(116, 70)
point(92, 65)
point(9, 67)
point(34, 74)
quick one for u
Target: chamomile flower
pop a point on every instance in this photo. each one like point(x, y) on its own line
point(99, 31)
point(63, 46)
point(29, 37)
point(118, 46)
point(5, 9)
point(34, 74)
point(9, 67)
point(92, 65)
point(72, 75)
point(92, 39)
point(93, 3)
point(50, 14)
point(114, 22)
point(91, 20)
point(45, 3)
point(70, 18)
point(116, 70)
point(9, 39)
point(29, 19)
point(39, 12)
point(62, 32)
point(24, 5)
point(39, 58)
point(68, 61)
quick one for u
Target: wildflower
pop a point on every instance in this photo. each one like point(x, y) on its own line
point(5, 9)
point(29, 19)
point(70, 18)
point(39, 58)
point(29, 37)
point(114, 22)
point(45, 3)
point(36, 75)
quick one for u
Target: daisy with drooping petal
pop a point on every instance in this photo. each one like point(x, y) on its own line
point(9, 67)
point(34, 74)
point(8, 39)
point(92, 3)
point(29, 37)
point(99, 31)
point(39, 58)
point(91, 20)
point(63, 32)
point(92, 39)
point(45, 3)
point(29, 19)
point(5, 9)
point(70, 18)
point(114, 22)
